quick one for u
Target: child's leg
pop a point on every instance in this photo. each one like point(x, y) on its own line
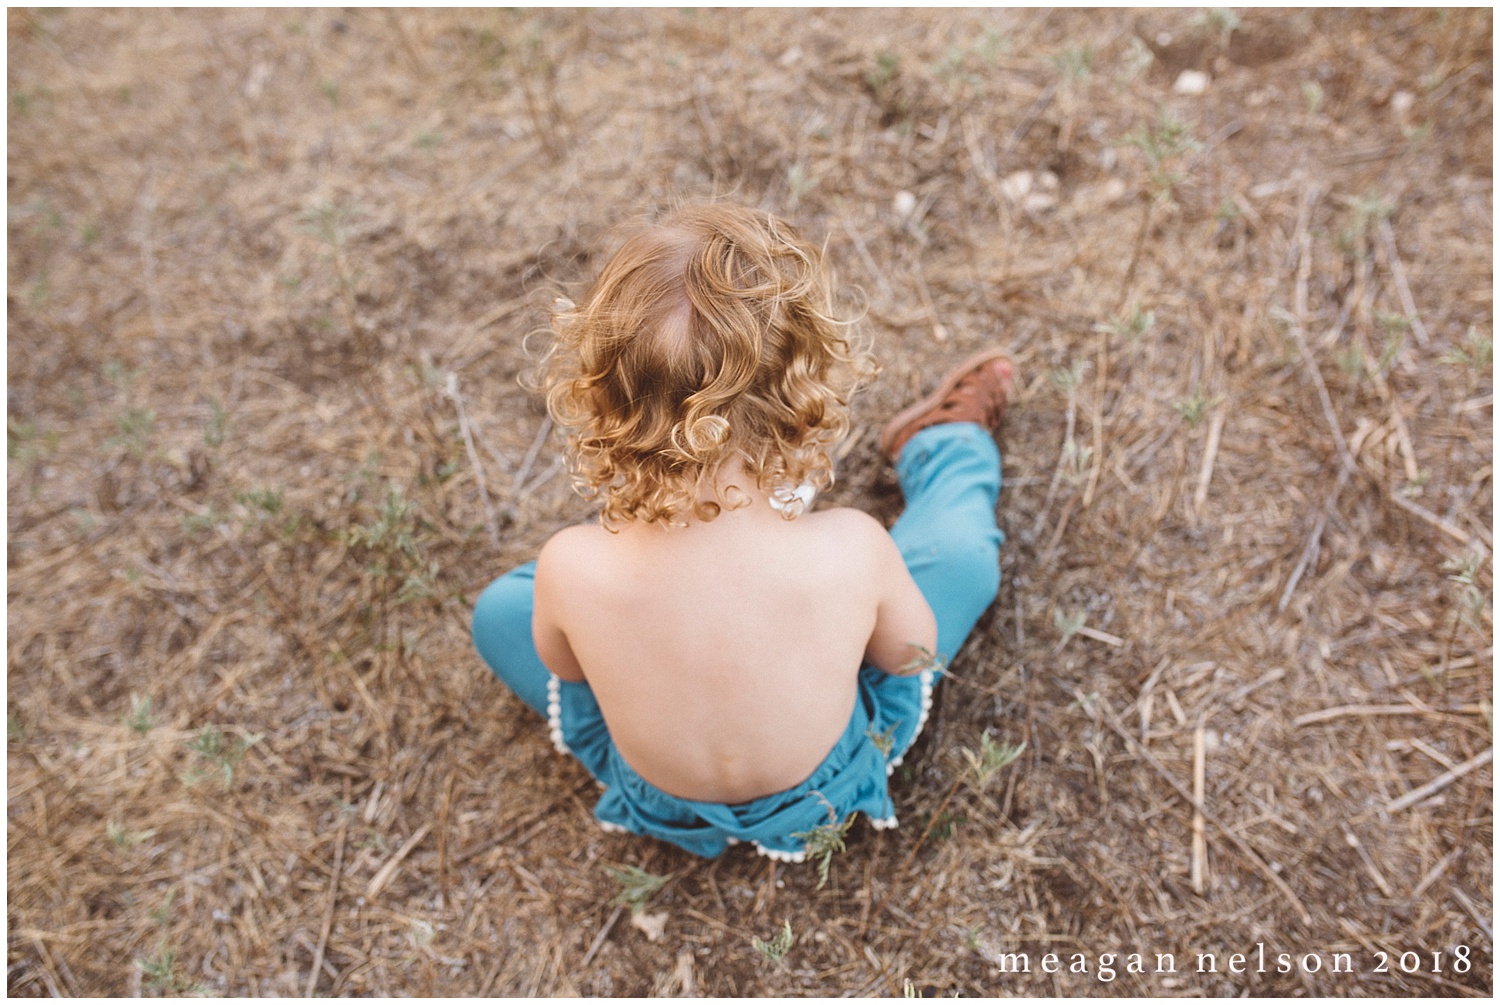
point(950, 475)
point(502, 634)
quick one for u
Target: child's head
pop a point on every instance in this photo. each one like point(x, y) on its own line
point(707, 337)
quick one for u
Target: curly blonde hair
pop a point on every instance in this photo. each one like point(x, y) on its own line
point(708, 336)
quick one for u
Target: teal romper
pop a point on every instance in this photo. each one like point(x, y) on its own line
point(950, 475)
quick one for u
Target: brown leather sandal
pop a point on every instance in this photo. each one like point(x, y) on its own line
point(976, 390)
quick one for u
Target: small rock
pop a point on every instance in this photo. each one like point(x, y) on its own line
point(1016, 186)
point(790, 57)
point(905, 204)
point(1191, 82)
point(1402, 101)
point(652, 924)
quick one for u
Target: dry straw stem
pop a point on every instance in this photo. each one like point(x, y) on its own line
point(1198, 808)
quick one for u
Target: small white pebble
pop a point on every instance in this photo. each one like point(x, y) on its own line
point(1402, 101)
point(1039, 202)
point(905, 204)
point(790, 57)
point(1191, 82)
point(1016, 186)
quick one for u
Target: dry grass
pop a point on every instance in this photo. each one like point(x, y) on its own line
point(252, 253)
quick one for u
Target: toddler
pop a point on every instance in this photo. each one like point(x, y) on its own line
point(729, 664)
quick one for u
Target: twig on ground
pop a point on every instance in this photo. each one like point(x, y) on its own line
point(1473, 912)
point(1182, 790)
point(1440, 782)
point(1342, 711)
point(380, 879)
point(1353, 841)
point(1199, 867)
point(1388, 240)
point(861, 249)
point(1210, 455)
point(333, 899)
point(530, 459)
point(463, 425)
point(1423, 513)
point(588, 957)
point(146, 207)
point(1314, 540)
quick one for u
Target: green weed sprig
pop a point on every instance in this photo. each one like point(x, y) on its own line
point(637, 886)
point(776, 949)
point(825, 840)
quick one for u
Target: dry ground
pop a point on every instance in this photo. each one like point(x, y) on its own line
point(252, 256)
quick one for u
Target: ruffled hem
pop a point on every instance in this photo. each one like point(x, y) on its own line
point(554, 713)
point(928, 680)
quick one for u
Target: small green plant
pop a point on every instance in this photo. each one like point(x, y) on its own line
point(264, 503)
point(776, 949)
point(122, 837)
point(1350, 360)
point(1137, 59)
point(1472, 601)
point(197, 523)
point(1195, 406)
point(825, 840)
point(330, 90)
point(1366, 212)
point(22, 442)
point(1163, 144)
point(1075, 462)
point(217, 755)
point(1477, 352)
point(1068, 624)
point(1075, 63)
point(217, 425)
point(393, 533)
point(1132, 327)
point(139, 717)
point(1394, 343)
point(1312, 96)
point(160, 974)
point(15, 729)
point(882, 77)
point(428, 140)
point(992, 757)
point(1068, 379)
point(925, 659)
point(1222, 21)
point(134, 430)
point(972, 934)
point(637, 886)
point(883, 742)
point(798, 182)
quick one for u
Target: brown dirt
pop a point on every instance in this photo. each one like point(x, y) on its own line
point(249, 249)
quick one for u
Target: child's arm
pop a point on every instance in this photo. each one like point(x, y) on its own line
point(552, 571)
point(904, 624)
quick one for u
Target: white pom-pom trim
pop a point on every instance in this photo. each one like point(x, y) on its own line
point(554, 713)
point(610, 828)
point(927, 679)
point(780, 856)
point(886, 824)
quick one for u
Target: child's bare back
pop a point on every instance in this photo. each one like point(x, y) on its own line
point(725, 654)
point(730, 665)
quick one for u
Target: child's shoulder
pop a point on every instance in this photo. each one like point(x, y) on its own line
point(573, 547)
point(852, 526)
